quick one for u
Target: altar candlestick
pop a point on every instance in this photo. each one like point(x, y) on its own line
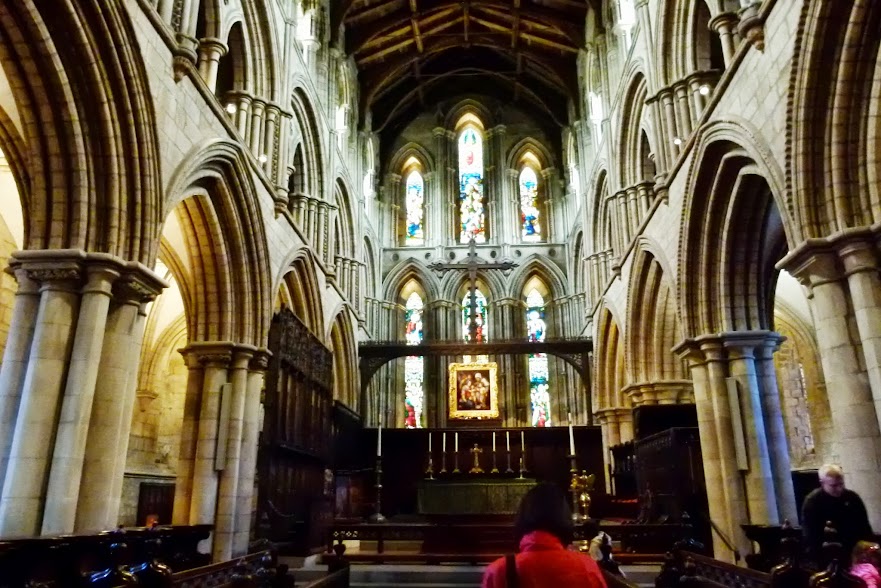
point(522, 442)
point(379, 442)
point(508, 440)
point(456, 447)
point(571, 437)
point(444, 443)
point(494, 441)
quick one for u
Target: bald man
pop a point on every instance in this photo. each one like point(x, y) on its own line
point(834, 503)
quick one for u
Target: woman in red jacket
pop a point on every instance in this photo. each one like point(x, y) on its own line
point(544, 529)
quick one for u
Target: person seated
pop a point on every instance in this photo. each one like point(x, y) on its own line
point(835, 505)
point(867, 563)
point(544, 529)
point(600, 548)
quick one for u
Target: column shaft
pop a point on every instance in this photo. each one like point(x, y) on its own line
point(21, 506)
point(183, 490)
point(248, 463)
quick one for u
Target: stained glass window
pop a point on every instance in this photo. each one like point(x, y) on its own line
point(480, 317)
point(415, 206)
point(529, 214)
point(472, 215)
point(539, 376)
point(414, 372)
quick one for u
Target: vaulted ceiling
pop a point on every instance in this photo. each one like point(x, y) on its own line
point(413, 53)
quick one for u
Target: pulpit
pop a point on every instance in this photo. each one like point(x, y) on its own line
point(474, 496)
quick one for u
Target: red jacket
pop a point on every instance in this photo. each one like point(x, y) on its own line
point(544, 563)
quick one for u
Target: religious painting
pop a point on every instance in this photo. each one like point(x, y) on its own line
point(474, 392)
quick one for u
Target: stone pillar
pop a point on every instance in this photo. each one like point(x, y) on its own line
point(63, 490)
point(666, 97)
point(850, 395)
point(760, 493)
point(183, 490)
point(608, 421)
point(215, 359)
point(255, 138)
point(248, 464)
point(685, 118)
point(21, 505)
point(15, 359)
point(775, 428)
point(725, 24)
point(111, 417)
point(712, 461)
point(210, 52)
point(225, 519)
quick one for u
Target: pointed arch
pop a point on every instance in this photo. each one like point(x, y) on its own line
point(309, 132)
point(631, 127)
point(341, 340)
point(88, 121)
point(405, 271)
point(345, 233)
point(300, 291)
point(537, 265)
point(235, 68)
point(609, 362)
point(215, 203)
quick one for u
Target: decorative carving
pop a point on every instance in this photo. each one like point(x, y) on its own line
point(752, 26)
point(55, 274)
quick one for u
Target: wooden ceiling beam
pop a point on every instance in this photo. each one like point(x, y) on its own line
point(515, 30)
point(536, 21)
point(378, 55)
point(393, 25)
point(414, 22)
point(375, 12)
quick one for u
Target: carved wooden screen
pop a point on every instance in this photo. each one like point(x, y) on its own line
point(295, 445)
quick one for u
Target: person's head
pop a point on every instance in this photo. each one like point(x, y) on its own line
point(832, 479)
point(867, 552)
point(545, 508)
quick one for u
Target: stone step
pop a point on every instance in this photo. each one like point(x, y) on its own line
point(439, 576)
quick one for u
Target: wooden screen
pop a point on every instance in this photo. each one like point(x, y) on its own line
point(295, 492)
point(155, 503)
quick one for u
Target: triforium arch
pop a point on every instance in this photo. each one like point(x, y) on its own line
point(653, 329)
point(214, 201)
point(636, 158)
point(834, 173)
point(78, 199)
point(307, 174)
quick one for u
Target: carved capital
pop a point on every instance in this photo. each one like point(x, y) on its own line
point(260, 360)
point(752, 26)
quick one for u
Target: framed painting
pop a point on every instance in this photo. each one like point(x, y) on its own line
point(474, 390)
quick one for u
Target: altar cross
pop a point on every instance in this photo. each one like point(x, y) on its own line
point(472, 263)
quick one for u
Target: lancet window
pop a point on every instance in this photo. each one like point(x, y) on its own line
point(471, 205)
point(415, 208)
point(414, 368)
point(539, 374)
point(530, 221)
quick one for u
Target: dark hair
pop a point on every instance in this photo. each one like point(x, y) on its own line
point(545, 508)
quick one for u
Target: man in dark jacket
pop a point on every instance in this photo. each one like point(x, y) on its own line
point(834, 504)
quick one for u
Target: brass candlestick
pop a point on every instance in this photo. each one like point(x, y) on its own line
point(377, 517)
point(495, 470)
point(456, 462)
point(580, 487)
point(509, 470)
point(443, 469)
point(521, 467)
point(430, 471)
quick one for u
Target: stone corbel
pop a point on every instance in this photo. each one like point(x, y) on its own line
point(752, 25)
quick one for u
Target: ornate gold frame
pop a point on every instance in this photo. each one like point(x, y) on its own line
point(453, 379)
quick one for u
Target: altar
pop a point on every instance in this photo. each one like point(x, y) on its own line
point(479, 496)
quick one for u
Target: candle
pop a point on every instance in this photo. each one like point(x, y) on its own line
point(508, 440)
point(379, 442)
point(444, 443)
point(571, 437)
point(522, 442)
point(456, 448)
point(494, 441)
point(429, 442)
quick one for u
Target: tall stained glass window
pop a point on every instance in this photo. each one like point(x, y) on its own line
point(415, 206)
point(530, 225)
point(414, 372)
point(472, 216)
point(539, 375)
point(480, 322)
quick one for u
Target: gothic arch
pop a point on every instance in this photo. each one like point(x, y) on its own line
point(299, 290)
point(609, 362)
point(14, 148)
point(345, 232)
point(537, 265)
point(85, 105)
point(733, 235)
point(215, 203)
point(410, 269)
point(370, 288)
point(603, 222)
point(833, 171)
point(235, 70)
point(469, 106)
point(634, 127)
point(264, 49)
point(492, 284)
point(653, 326)
point(526, 145)
point(341, 340)
point(398, 161)
point(679, 49)
point(310, 142)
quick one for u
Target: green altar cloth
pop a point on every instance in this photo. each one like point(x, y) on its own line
point(472, 497)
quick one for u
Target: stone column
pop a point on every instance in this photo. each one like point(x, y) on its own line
point(225, 519)
point(215, 359)
point(112, 406)
point(850, 395)
point(15, 359)
point(775, 428)
point(63, 491)
point(725, 24)
point(666, 97)
point(760, 493)
point(248, 464)
point(255, 138)
point(706, 422)
point(21, 505)
point(210, 52)
point(684, 112)
point(183, 490)
point(608, 421)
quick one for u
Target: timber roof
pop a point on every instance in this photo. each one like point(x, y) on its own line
point(412, 53)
